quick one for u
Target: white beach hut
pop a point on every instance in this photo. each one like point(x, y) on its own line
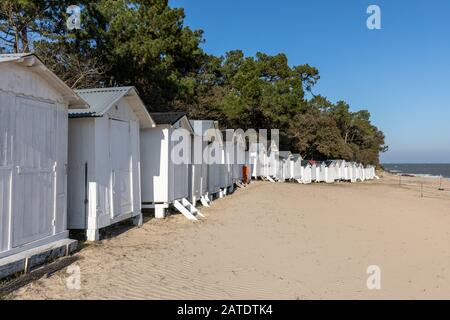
point(215, 152)
point(249, 167)
point(259, 160)
point(286, 166)
point(347, 172)
point(198, 181)
point(234, 143)
point(359, 172)
point(371, 172)
point(363, 172)
point(166, 163)
point(247, 174)
point(367, 173)
point(306, 172)
point(104, 159)
point(33, 157)
point(238, 157)
point(313, 165)
point(353, 172)
point(227, 184)
point(320, 171)
point(275, 166)
point(340, 166)
point(296, 168)
point(331, 171)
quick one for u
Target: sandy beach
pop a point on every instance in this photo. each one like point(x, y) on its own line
point(278, 241)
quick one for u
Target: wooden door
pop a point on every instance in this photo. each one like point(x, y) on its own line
point(6, 165)
point(34, 176)
point(121, 168)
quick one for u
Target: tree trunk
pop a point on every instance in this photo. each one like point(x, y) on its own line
point(16, 40)
point(24, 38)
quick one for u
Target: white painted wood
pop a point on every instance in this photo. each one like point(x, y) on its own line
point(274, 164)
point(204, 202)
point(5, 205)
point(61, 167)
point(160, 211)
point(306, 173)
point(296, 167)
point(227, 168)
point(191, 207)
point(320, 172)
point(179, 173)
point(136, 167)
point(81, 169)
point(33, 156)
point(214, 155)
point(121, 168)
point(198, 175)
point(185, 212)
point(19, 80)
point(234, 147)
point(260, 160)
point(331, 172)
point(7, 122)
point(104, 168)
point(155, 165)
point(214, 177)
point(353, 172)
point(92, 218)
point(313, 172)
point(248, 163)
point(164, 181)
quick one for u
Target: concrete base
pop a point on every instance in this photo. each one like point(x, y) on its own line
point(138, 220)
point(31, 259)
point(160, 211)
point(92, 235)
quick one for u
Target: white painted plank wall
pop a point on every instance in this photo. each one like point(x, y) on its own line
point(81, 152)
point(6, 165)
point(154, 148)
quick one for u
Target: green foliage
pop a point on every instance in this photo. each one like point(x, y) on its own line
point(127, 42)
point(264, 92)
point(331, 131)
point(19, 19)
point(144, 43)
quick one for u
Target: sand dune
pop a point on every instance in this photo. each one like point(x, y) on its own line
point(278, 241)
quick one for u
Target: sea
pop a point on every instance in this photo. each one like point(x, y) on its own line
point(419, 169)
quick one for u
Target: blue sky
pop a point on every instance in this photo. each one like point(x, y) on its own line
point(401, 73)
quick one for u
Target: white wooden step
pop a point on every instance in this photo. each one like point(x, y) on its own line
point(185, 212)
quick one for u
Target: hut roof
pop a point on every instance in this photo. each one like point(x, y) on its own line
point(103, 99)
point(285, 154)
point(32, 61)
point(167, 117)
